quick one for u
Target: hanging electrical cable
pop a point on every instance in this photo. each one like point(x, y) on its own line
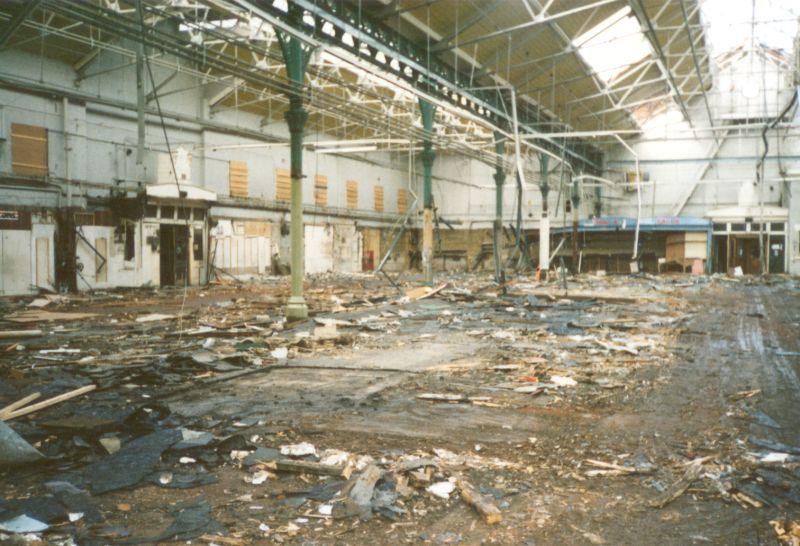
point(181, 193)
point(760, 175)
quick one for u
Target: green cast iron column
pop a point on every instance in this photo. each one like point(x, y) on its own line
point(499, 179)
point(576, 202)
point(427, 110)
point(544, 221)
point(296, 55)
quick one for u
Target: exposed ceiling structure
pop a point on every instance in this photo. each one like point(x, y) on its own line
point(374, 60)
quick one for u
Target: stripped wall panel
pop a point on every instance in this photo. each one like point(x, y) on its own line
point(332, 247)
point(15, 261)
point(241, 247)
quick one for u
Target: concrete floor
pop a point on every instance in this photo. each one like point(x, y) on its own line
point(710, 354)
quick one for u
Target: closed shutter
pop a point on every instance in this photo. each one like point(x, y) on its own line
point(283, 185)
point(237, 178)
point(352, 194)
point(378, 198)
point(321, 190)
point(402, 201)
point(28, 150)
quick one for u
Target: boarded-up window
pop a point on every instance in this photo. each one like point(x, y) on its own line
point(378, 198)
point(283, 185)
point(402, 201)
point(321, 190)
point(237, 178)
point(28, 150)
point(352, 194)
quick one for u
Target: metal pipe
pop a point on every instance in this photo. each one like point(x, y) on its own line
point(638, 198)
point(499, 179)
point(65, 136)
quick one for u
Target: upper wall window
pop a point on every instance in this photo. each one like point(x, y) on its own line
point(28, 150)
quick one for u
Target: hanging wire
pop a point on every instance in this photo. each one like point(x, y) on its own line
point(140, 9)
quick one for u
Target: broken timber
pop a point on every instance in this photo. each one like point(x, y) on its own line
point(491, 514)
point(302, 467)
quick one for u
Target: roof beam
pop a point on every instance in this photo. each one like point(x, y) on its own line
point(8, 31)
point(396, 9)
point(541, 19)
point(652, 37)
point(480, 13)
point(697, 64)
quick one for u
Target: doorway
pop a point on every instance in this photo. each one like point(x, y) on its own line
point(720, 254)
point(745, 253)
point(777, 253)
point(174, 254)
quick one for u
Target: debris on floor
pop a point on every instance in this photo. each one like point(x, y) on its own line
point(152, 419)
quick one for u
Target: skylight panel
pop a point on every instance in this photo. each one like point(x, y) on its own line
point(729, 23)
point(613, 45)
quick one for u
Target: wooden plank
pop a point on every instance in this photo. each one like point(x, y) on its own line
point(283, 185)
point(28, 150)
point(491, 513)
point(679, 488)
point(39, 315)
point(238, 178)
point(364, 485)
point(321, 190)
point(101, 260)
point(47, 403)
point(378, 192)
point(302, 467)
point(219, 539)
point(18, 404)
point(352, 194)
point(15, 334)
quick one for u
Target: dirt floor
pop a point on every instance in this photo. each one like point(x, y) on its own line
point(626, 410)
